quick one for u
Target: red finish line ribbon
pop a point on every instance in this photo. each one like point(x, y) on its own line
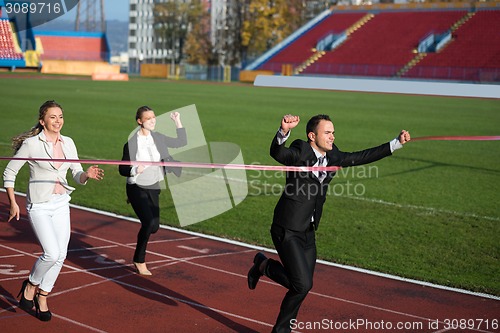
point(458, 138)
point(257, 167)
point(181, 164)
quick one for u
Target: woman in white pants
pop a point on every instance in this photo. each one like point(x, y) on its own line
point(48, 199)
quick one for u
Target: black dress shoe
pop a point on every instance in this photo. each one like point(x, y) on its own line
point(254, 273)
point(25, 304)
point(42, 315)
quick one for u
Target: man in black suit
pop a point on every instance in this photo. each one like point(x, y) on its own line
point(298, 211)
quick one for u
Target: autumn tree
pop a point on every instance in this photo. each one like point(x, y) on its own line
point(227, 32)
point(198, 47)
point(296, 15)
point(268, 22)
point(261, 24)
point(171, 23)
point(240, 28)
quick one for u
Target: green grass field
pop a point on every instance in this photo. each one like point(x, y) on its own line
point(430, 212)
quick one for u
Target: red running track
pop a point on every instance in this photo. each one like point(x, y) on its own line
point(199, 285)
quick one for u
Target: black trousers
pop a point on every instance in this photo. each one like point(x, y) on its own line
point(297, 252)
point(146, 205)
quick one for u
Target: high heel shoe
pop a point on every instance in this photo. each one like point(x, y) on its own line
point(25, 304)
point(42, 315)
point(142, 269)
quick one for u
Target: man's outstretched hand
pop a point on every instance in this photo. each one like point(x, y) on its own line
point(288, 122)
point(404, 137)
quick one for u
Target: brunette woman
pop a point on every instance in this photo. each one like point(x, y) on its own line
point(144, 181)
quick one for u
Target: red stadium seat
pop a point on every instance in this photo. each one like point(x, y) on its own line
point(475, 48)
point(7, 46)
point(384, 45)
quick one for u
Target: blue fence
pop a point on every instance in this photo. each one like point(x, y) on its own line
point(211, 73)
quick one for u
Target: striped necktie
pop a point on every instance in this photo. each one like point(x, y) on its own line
point(322, 173)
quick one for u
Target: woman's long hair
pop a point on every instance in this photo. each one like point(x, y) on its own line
point(18, 140)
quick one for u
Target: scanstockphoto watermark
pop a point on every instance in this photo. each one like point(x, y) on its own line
point(31, 13)
point(346, 182)
point(363, 324)
point(358, 325)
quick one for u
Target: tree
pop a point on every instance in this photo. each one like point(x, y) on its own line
point(296, 15)
point(170, 21)
point(240, 28)
point(198, 47)
point(268, 22)
point(227, 32)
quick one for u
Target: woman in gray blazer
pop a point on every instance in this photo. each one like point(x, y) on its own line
point(144, 183)
point(48, 199)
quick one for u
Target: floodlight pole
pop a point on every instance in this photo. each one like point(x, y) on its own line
point(92, 12)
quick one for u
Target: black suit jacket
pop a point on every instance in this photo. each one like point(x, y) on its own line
point(162, 143)
point(303, 195)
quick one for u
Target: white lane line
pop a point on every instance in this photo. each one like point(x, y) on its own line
point(189, 260)
point(428, 209)
point(116, 280)
point(327, 263)
point(189, 248)
point(186, 260)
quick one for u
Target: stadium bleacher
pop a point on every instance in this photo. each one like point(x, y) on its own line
point(386, 45)
point(81, 53)
point(473, 55)
point(302, 48)
point(8, 49)
point(82, 46)
point(377, 41)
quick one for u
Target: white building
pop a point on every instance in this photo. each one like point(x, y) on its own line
point(141, 34)
point(143, 45)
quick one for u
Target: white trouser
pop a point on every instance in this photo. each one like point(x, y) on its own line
point(51, 223)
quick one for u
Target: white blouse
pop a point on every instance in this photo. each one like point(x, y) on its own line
point(146, 151)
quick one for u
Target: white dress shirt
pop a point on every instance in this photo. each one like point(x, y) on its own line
point(147, 152)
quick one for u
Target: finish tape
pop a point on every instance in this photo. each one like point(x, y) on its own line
point(240, 166)
point(181, 164)
point(458, 138)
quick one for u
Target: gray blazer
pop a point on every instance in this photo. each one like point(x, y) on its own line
point(43, 174)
